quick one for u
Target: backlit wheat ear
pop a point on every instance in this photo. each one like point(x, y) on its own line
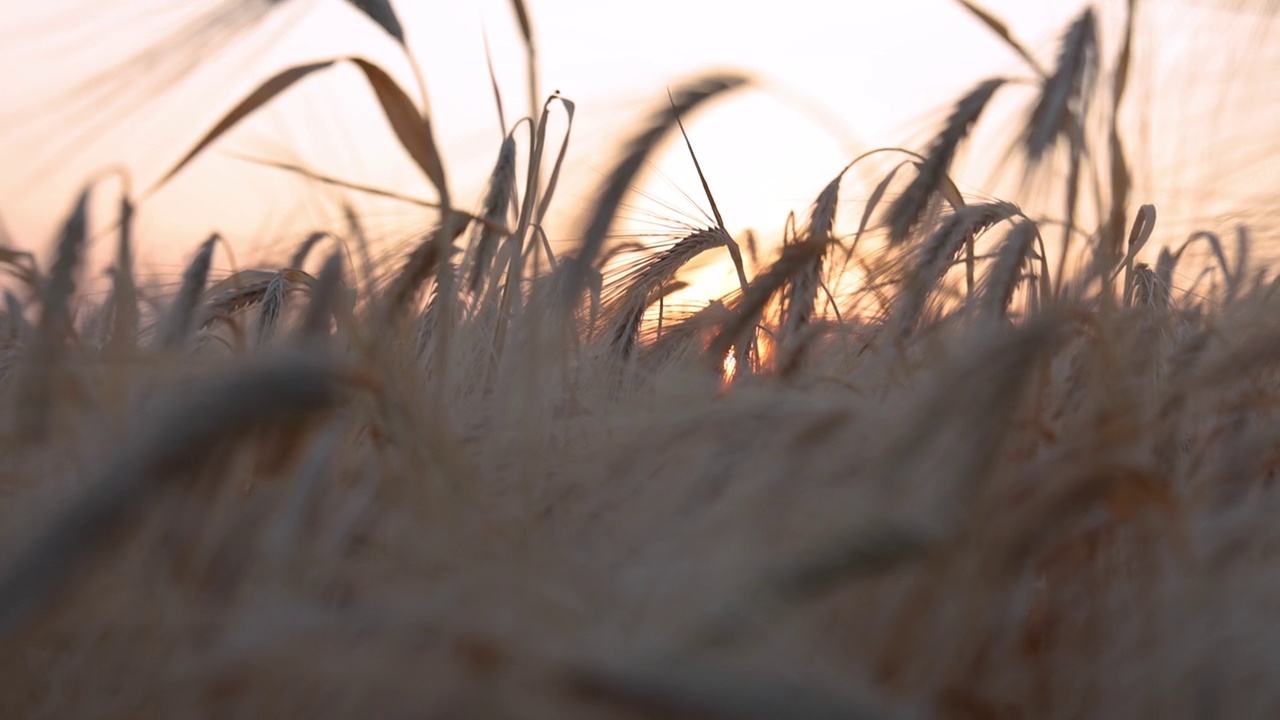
point(905, 211)
point(686, 337)
point(325, 298)
point(735, 253)
point(1006, 273)
point(738, 331)
point(497, 203)
point(299, 257)
point(176, 440)
point(236, 292)
point(248, 288)
point(683, 101)
point(355, 230)
point(124, 296)
point(802, 291)
point(421, 264)
point(269, 311)
point(644, 285)
point(939, 252)
point(55, 317)
point(177, 324)
point(417, 269)
point(1148, 290)
point(877, 195)
point(1064, 96)
point(57, 294)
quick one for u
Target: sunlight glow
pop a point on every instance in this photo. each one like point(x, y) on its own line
point(730, 368)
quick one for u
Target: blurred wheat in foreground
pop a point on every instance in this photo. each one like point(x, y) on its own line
point(1011, 471)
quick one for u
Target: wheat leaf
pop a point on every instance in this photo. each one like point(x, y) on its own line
point(265, 93)
point(411, 127)
point(545, 202)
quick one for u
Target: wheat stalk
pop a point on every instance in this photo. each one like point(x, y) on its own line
point(325, 298)
point(1006, 273)
point(299, 257)
point(1064, 95)
point(641, 287)
point(738, 331)
point(497, 203)
point(50, 335)
point(269, 310)
point(176, 325)
point(905, 211)
point(802, 291)
point(937, 254)
point(683, 101)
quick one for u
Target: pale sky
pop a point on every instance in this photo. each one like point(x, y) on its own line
point(881, 72)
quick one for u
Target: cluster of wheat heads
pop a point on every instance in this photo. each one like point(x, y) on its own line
point(480, 480)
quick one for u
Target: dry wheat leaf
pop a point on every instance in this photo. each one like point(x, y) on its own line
point(265, 93)
point(411, 127)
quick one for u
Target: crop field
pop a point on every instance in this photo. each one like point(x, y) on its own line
point(942, 451)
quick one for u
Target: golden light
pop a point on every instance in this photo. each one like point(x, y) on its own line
point(730, 367)
point(765, 351)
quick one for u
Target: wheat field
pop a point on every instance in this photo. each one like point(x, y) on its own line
point(958, 459)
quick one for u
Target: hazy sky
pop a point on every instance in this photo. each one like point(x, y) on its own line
point(842, 77)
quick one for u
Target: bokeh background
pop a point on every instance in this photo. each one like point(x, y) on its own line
point(90, 86)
